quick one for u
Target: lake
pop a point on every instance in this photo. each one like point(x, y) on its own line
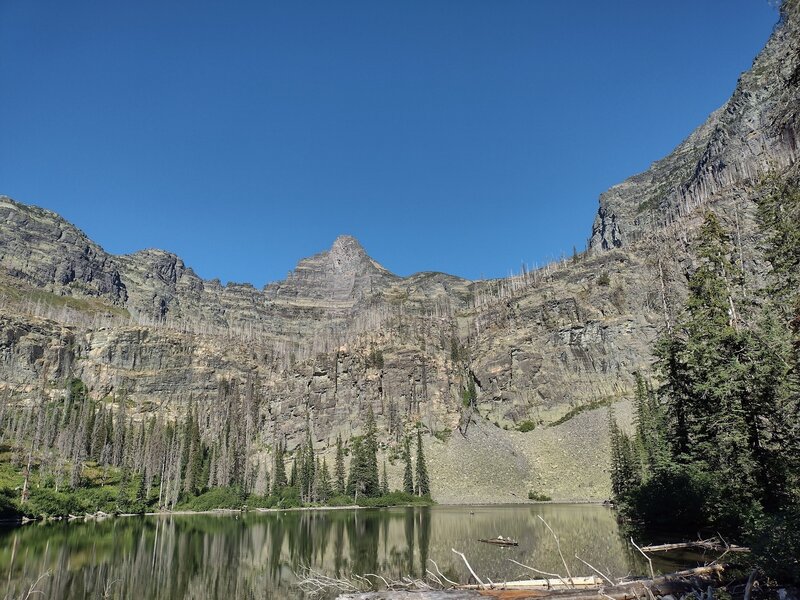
point(257, 555)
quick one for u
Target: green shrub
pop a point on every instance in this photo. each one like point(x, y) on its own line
point(8, 504)
point(443, 435)
point(526, 426)
point(775, 541)
point(254, 501)
point(341, 500)
point(604, 279)
point(675, 498)
point(50, 503)
point(575, 411)
point(396, 498)
point(538, 496)
point(220, 497)
point(289, 498)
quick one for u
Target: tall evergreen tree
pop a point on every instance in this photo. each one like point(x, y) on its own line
point(363, 479)
point(423, 483)
point(279, 476)
point(325, 488)
point(384, 481)
point(408, 475)
point(339, 467)
point(293, 472)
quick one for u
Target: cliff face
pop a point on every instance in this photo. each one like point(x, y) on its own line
point(754, 133)
point(342, 333)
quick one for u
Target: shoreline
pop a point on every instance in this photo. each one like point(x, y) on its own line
point(102, 516)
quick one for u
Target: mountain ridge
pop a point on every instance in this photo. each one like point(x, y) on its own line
point(552, 347)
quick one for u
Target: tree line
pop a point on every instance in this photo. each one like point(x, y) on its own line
point(79, 454)
point(716, 445)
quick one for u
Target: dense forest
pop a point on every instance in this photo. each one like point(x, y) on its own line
point(76, 455)
point(715, 445)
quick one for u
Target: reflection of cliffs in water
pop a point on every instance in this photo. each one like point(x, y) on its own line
point(256, 555)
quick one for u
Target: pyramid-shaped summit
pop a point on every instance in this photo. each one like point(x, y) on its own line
point(344, 274)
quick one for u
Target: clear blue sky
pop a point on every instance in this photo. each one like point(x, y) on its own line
point(450, 135)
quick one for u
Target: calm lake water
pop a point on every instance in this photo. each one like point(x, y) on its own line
point(256, 555)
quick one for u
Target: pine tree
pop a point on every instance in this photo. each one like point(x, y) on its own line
point(372, 485)
point(325, 489)
point(279, 475)
point(624, 469)
point(339, 467)
point(705, 379)
point(408, 475)
point(423, 483)
point(384, 481)
point(293, 473)
point(307, 469)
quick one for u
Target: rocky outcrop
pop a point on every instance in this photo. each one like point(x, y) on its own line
point(753, 134)
point(41, 248)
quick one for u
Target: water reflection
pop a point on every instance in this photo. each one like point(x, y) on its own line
point(257, 555)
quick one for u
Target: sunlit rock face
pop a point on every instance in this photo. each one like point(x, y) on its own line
point(752, 134)
point(341, 333)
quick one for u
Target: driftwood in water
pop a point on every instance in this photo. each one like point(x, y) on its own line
point(500, 541)
point(674, 583)
point(710, 544)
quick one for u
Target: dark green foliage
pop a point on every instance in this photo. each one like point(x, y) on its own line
point(776, 542)
point(469, 394)
point(220, 497)
point(48, 502)
point(306, 472)
point(340, 487)
point(443, 435)
point(604, 279)
point(718, 446)
point(624, 470)
point(293, 473)
point(423, 483)
point(363, 479)
point(575, 411)
point(375, 359)
point(779, 218)
point(396, 498)
point(384, 481)
point(526, 426)
point(538, 496)
point(458, 352)
point(408, 475)
point(279, 480)
point(8, 505)
point(324, 488)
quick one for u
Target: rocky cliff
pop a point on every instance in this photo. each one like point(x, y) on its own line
point(754, 133)
point(550, 348)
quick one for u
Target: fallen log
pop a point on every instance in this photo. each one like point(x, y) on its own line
point(544, 584)
point(500, 541)
point(712, 544)
point(673, 583)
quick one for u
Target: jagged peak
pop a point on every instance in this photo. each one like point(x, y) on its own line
point(346, 252)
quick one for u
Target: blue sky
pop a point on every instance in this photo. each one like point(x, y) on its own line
point(458, 136)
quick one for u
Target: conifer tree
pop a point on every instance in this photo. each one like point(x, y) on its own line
point(339, 467)
point(384, 481)
point(325, 489)
point(372, 485)
point(279, 476)
point(408, 475)
point(293, 472)
point(423, 483)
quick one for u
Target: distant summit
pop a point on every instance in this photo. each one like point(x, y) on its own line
point(345, 274)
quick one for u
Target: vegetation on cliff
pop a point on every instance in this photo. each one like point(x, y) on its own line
point(76, 456)
point(716, 446)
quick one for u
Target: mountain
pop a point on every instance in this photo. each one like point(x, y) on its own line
point(550, 348)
